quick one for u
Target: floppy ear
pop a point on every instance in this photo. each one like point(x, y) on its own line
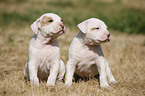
point(35, 26)
point(83, 26)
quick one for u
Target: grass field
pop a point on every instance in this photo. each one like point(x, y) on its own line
point(125, 53)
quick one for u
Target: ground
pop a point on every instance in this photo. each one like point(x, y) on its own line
point(125, 54)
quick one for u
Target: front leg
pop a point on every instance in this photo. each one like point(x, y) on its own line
point(70, 69)
point(61, 71)
point(111, 78)
point(31, 70)
point(101, 65)
point(54, 69)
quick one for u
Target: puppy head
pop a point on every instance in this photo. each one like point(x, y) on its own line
point(95, 31)
point(49, 25)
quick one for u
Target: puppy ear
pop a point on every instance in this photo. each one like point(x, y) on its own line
point(35, 26)
point(83, 26)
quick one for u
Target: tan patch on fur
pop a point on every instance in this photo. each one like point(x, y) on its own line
point(45, 21)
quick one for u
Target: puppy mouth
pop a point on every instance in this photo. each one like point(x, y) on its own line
point(103, 41)
point(53, 36)
point(99, 42)
point(61, 31)
point(106, 40)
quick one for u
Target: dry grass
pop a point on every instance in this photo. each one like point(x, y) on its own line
point(125, 53)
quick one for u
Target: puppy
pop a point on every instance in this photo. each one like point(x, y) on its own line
point(44, 53)
point(86, 58)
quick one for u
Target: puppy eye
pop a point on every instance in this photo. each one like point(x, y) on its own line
point(96, 28)
point(50, 21)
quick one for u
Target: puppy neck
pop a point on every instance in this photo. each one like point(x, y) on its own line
point(83, 38)
point(44, 40)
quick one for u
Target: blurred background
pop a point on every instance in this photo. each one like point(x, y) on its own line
point(125, 52)
point(122, 15)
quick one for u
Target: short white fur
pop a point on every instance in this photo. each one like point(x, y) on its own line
point(44, 52)
point(86, 57)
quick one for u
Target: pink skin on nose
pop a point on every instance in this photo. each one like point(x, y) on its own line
point(105, 37)
point(108, 35)
point(61, 28)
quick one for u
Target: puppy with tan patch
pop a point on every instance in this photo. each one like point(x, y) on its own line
point(86, 58)
point(44, 53)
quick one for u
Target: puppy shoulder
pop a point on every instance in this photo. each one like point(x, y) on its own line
point(33, 38)
point(33, 46)
point(75, 46)
point(77, 40)
point(74, 42)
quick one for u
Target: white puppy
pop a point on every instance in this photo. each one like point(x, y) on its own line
point(44, 52)
point(86, 58)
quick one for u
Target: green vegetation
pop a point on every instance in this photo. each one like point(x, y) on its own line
point(14, 17)
point(116, 15)
point(13, 1)
point(125, 52)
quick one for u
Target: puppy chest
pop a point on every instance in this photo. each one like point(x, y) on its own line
point(84, 65)
point(49, 53)
point(86, 68)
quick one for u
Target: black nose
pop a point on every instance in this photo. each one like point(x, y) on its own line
point(108, 35)
point(62, 26)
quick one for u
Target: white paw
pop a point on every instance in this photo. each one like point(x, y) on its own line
point(35, 81)
point(68, 83)
point(104, 85)
point(113, 81)
point(50, 83)
point(35, 84)
point(59, 82)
